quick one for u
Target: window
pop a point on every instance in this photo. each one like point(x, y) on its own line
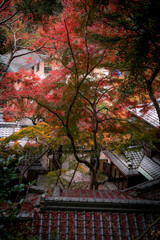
point(47, 69)
point(37, 69)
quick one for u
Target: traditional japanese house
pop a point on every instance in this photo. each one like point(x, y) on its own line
point(123, 169)
point(136, 164)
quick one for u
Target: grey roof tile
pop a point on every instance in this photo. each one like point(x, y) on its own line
point(120, 164)
point(134, 156)
point(6, 131)
point(26, 61)
point(150, 117)
point(150, 167)
point(7, 128)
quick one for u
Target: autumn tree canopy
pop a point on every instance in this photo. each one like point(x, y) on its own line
point(140, 48)
point(82, 104)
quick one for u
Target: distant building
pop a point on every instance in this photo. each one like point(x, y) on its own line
point(7, 128)
point(131, 168)
point(150, 116)
point(37, 168)
point(135, 165)
point(29, 61)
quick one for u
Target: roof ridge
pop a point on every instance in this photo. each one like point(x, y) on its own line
point(90, 204)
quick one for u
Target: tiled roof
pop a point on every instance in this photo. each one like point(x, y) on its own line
point(102, 215)
point(27, 61)
point(6, 129)
point(96, 215)
point(150, 117)
point(134, 157)
point(150, 168)
point(95, 225)
point(147, 190)
point(96, 195)
point(152, 194)
point(121, 164)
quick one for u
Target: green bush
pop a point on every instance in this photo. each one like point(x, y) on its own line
point(9, 180)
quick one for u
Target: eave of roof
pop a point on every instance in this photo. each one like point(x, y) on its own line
point(88, 204)
point(149, 168)
point(146, 190)
point(120, 165)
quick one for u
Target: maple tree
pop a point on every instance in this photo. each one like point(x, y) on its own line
point(79, 40)
point(73, 47)
point(103, 119)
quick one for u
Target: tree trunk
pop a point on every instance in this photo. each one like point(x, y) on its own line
point(94, 183)
point(88, 164)
point(94, 130)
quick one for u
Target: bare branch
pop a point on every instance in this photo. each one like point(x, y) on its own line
point(75, 170)
point(148, 228)
point(107, 90)
point(58, 174)
point(2, 4)
point(60, 59)
point(83, 96)
point(9, 18)
point(89, 109)
point(86, 44)
point(46, 107)
point(97, 62)
point(103, 108)
point(72, 53)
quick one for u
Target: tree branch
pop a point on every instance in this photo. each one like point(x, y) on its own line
point(72, 53)
point(148, 228)
point(47, 108)
point(86, 44)
point(9, 18)
point(75, 170)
